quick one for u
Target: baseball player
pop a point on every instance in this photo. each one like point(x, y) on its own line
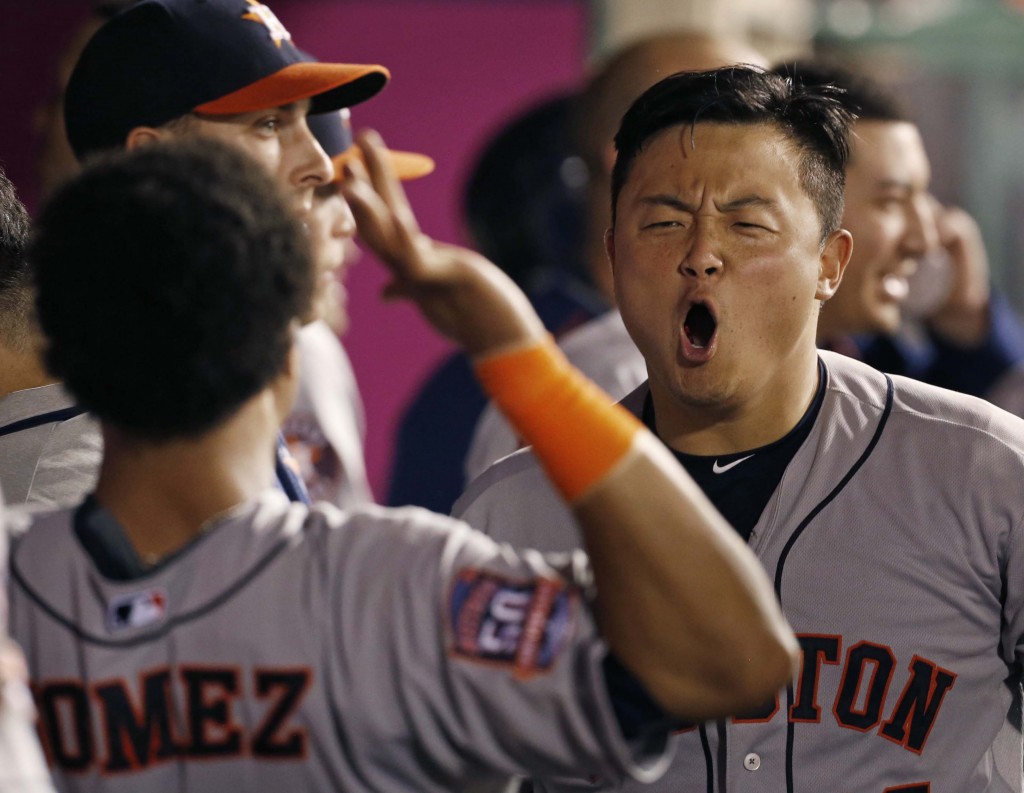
point(970, 338)
point(49, 447)
point(186, 628)
point(601, 348)
point(887, 512)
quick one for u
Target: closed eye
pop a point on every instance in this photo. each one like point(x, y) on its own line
point(663, 224)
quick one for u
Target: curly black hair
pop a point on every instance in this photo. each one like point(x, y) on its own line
point(168, 281)
point(809, 116)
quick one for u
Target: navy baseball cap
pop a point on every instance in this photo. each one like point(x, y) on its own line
point(334, 133)
point(160, 59)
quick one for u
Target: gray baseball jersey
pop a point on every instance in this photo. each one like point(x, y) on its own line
point(296, 648)
point(49, 450)
point(326, 425)
point(895, 543)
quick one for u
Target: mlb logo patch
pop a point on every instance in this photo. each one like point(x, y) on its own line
point(522, 624)
point(136, 610)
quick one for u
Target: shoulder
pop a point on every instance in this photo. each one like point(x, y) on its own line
point(513, 501)
point(926, 415)
point(607, 327)
point(603, 350)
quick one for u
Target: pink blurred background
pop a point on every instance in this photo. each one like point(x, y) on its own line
point(459, 70)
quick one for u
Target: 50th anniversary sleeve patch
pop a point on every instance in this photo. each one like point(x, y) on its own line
point(522, 624)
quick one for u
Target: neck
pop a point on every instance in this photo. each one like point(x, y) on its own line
point(728, 426)
point(830, 328)
point(163, 493)
point(21, 370)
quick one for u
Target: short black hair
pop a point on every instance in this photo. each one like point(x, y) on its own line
point(168, 280)
point(809, 117)
point(15, 287)
point(529, 165)
point(859, 94)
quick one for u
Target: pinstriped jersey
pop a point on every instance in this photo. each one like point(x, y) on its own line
point(895, 543)
point(290, 648)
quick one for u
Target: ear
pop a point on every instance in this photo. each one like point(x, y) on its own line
point(609, 245)
point(835, 255)
point(143, 136)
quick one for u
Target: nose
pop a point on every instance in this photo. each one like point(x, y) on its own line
point(345, 225)
point(701, 259)
point(922, 233)
point(312, 165)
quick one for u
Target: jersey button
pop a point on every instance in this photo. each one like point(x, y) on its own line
point(752, 762)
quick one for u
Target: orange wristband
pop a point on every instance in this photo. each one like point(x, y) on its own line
point(575, 431)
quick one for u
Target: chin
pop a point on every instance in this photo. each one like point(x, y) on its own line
point(886, 321)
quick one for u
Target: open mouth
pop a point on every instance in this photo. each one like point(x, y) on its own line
point(699, 326)
point(699, 336)
point(895, 287)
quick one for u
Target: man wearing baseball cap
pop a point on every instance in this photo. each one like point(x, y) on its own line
point(225, 69)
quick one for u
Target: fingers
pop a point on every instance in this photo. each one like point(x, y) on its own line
point(384, 180)
point(377, 224)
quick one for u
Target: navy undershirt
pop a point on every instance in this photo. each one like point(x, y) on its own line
point(741, 484)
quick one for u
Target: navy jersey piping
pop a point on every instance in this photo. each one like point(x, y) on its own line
point(200, 611)
point(708, 759)
point(52, 417)
point(886, 412)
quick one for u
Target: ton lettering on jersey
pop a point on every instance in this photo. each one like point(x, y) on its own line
point(864, 700)
point(171, 713)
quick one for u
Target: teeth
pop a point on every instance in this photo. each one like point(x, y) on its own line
point(895, 287)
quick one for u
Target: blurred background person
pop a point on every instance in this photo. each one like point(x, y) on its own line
point(969, 338)
point(55, 161)
point(523, 206)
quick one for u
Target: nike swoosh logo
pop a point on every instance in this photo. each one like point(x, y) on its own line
point(721, 469)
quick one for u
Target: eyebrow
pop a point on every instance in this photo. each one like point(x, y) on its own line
point(674, 202)
point(746, 202)
point(667, 200)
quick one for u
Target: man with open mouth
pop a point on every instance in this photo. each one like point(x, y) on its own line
point(966, 337)
point(905, 592)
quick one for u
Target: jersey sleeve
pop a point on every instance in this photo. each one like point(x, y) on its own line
point(485, 661)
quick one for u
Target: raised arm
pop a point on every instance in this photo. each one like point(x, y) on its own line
point(681, 600)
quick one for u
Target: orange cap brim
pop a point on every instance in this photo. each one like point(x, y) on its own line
point(408, 165)
point(301, 81)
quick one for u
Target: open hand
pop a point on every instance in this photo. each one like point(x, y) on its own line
point(462, 294)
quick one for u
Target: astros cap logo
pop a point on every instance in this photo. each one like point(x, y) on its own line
point(262, 14)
